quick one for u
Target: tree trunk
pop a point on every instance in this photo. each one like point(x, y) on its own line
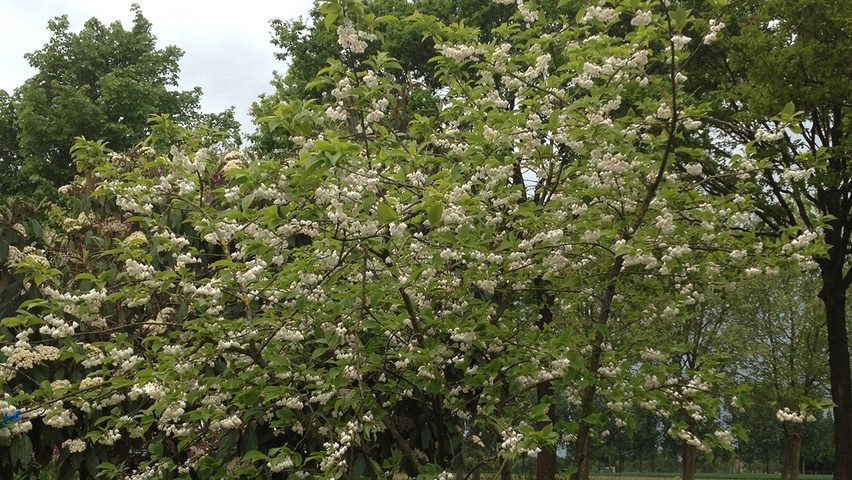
point(833, 295)
point(545, 466)
point(788, 444)
point(506, 469)
point(796, 452)
point(766, 459)
point(689, 453)
point(792, 451)
point(581, 452)
point(582, 445)
point(688, 463)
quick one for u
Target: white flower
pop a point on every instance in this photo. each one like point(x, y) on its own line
point(75, 445)
point(694, 169)
point(763, 135)
point(603, 14)
point(352, 39)
point(641, 18)
point(715, 27)
point(680, 41)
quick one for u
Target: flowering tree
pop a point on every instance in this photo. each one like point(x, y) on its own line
point(781, 98)
point(784, 348)
point(387, 298)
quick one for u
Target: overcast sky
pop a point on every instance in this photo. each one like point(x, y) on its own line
point(226, 43)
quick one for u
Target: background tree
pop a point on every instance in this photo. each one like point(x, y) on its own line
point(782, 53)
point(784, 352)
point(308, 45)
point(103, 82)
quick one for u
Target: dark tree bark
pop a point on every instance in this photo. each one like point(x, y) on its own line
point(582, 445)
point(792, 451)
point(545, 467)
point(689, 453)
point(833, 295)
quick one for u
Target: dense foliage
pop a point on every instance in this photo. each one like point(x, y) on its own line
point(377, 296)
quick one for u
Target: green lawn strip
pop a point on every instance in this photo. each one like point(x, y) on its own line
point(714, 476)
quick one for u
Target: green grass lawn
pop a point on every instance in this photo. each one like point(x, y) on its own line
point(712, 476)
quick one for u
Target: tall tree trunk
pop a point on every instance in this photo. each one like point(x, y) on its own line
point(582, 450)
point(545, 466)
point(689, 453)
point(788, 444)
point(792, 451)
point(506, 468)
point(796, 451)
point(833, 296)
point(582, 445)
point(766, 459)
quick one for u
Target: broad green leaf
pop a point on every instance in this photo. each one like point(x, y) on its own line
point(386, 212)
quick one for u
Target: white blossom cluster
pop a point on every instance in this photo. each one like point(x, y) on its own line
point(715, 27)
point(680, 41)
point(689, 438)
point(803, 240)
point(787, 415)
point(74, 445)
point(601, 14)
point(649, 354)
point(797, 175)
point(350, 38)
point(763, 135)
point(641, 18)
point(29, 253)
point(138, 271)
point(459, 53)
point(57, 327)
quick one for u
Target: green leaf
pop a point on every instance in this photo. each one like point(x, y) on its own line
point(249, 441)
point(255, 455)
point(425, 438)
point(539, 412)
point(680, 18)
point(330, 18)
point(20, 450)
point(596, 419)
point(434, 213)
point(386, 212)
point(247, 201)
point(227, 444)
point(156, 449)
point(359, 467)
point(35, 228)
